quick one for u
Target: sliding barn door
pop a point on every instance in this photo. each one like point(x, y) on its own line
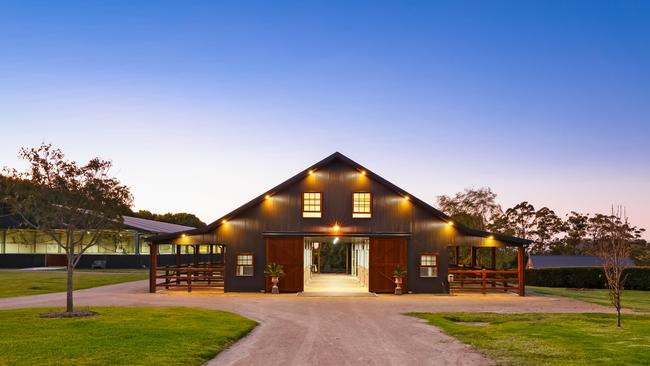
point(385, 255)
point(289, 252)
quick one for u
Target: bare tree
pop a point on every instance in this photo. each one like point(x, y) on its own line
point(56, 195)
point(613, 237)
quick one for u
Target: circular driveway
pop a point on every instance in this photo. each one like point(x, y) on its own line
point(298, 330)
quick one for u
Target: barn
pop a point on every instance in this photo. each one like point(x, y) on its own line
point(337, 217)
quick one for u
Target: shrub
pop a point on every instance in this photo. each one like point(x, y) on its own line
point(637, 278)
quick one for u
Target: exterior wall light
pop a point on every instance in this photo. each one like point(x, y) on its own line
point(407, 198)
point(311, 171)
point(267, 196)
point(224, 221)
point(491, 237)
point(183, 235)
point(363, 172)
point(336, 227)
point(451, 223)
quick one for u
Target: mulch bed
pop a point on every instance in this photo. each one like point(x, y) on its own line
point(73, 314)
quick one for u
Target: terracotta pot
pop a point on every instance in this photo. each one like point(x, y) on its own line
point(275, 289)
point(398, 286)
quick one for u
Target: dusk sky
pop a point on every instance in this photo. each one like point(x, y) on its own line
point(204, 105)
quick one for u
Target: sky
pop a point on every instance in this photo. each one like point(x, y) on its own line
point(203, 105)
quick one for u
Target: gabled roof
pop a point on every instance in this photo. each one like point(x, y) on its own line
point(337, 156)
point(549, 261)
point(130, 222)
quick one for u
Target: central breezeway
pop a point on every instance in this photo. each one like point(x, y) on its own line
point(329, 284)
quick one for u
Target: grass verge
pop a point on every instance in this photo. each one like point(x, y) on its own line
point(637, 300)
point(551, 339)
point(118, 336)
point(24, 283)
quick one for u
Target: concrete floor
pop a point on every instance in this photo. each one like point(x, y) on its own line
point(334, 284)
point(297, 330)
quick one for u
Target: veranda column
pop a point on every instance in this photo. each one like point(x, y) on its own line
point(153, 264)
point(473, 252)
point(494, 258)
point(520, 270)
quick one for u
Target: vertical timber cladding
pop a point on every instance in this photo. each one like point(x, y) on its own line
point(289, 253)
point(385, 255)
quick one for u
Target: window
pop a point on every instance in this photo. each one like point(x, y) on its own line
point(429, 265)
point(312, 204)
point(362, 205)
point(244, 265)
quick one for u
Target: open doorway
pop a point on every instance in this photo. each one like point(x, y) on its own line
point(336, 265)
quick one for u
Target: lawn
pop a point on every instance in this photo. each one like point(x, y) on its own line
point(22, 283)
point(637, 300)
point(551, 339)
point(119, 336)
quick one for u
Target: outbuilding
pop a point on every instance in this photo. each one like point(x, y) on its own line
point(339, 217)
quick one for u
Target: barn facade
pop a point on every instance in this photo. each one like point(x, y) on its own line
point(339, 217)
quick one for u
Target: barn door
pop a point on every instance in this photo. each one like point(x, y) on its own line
point(385, 255)
point(288, 252)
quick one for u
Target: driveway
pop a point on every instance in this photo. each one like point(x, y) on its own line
point(298, 330)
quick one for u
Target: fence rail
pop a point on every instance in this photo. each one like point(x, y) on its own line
point(483, 280)
point(191, 276)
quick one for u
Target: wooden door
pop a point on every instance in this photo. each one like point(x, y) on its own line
point(385, 255)
point(289, 252)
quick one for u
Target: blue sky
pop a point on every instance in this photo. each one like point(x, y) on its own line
point(204, 105)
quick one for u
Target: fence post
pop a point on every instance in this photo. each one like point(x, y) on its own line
point(483, 281)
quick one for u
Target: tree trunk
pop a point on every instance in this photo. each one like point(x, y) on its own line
point(69, 305)
point(69, 286)
point(618, 317)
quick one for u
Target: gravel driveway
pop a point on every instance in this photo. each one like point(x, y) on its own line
point(328, 330)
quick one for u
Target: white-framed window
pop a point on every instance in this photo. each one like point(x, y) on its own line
point(362, 205)
point(429, 265)
point(244, 264)
point(312, 204)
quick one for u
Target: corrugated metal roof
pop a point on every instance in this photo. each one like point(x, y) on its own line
point(154, 226)
point(548, 261)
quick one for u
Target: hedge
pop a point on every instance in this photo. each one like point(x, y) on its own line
point(637, 278)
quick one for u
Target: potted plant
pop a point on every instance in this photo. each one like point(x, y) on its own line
point(274, 271)
point(399, 274)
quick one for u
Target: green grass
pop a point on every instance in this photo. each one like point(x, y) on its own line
point(118, 336)
point(637, 300)
point(23, 283)
point(551, 339)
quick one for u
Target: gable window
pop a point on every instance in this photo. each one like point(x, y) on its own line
point(362, 205)
point(312, 204)
point(244, 264)
point(429, 265)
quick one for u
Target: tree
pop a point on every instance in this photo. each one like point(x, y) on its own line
point(473, 207)
point(56, 194)
point(547, 226)
point(180, 218)
point(612, 235)
point(522, 219)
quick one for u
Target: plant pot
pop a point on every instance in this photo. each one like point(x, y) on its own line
point(275, 289)
point(398, 286)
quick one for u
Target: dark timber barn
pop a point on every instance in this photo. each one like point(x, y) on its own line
point(337, 217)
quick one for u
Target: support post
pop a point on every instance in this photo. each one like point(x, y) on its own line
point(457, 255)
point(153, 264)
point(520, 270)
point(494, 263)
point(473, 252)
point(196, 256)
point(178, 264)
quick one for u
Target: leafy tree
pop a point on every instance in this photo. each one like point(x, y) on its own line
point(181, 218)
point(56, 194)
point(522, 219)
point(547, 226)
point(474, 208)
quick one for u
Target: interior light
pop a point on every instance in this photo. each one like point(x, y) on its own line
point(336, 240)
